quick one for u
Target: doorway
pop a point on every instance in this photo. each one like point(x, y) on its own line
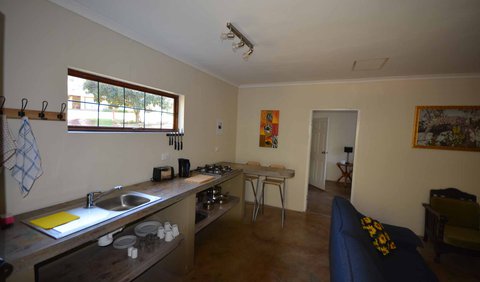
point(331, 132)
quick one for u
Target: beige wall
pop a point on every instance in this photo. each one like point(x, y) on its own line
point(342, 128)
point(41, 41)
point(391, 178)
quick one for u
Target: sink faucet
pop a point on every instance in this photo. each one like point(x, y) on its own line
point(91, 196)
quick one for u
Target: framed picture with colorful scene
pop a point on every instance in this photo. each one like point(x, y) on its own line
point(447, 128)
point(269, 121)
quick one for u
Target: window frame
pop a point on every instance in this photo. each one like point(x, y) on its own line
point(98, 79)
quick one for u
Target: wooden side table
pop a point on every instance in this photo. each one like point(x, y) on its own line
point(347, 170)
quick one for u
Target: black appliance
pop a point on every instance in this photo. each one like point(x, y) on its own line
point(183, 168)
point(163, 173)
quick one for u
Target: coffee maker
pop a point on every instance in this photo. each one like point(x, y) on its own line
point(183, 168)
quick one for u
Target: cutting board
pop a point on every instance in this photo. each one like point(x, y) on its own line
point(54, 220)
point(199, 178)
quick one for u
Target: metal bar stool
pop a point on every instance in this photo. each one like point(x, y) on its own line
point(250, 178)
point(280, 183)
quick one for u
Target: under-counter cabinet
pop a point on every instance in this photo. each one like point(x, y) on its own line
point(232, 209)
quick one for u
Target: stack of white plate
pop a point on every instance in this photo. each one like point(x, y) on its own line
point(147, 227)
point(125, 242)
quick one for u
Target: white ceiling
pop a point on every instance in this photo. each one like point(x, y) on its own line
point(304, 40)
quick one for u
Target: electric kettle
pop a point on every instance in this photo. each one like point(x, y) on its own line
point(183, 168)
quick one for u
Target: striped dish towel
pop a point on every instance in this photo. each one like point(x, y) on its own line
point(28, 166)
point(7, 145)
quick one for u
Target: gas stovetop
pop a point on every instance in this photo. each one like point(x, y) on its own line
point(214, 169)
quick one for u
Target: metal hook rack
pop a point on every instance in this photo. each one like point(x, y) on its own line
point(33, 114)
point(21, 113)
point(63, 107)
point(41, 115)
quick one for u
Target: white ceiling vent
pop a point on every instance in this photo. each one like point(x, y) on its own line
point(369, 64)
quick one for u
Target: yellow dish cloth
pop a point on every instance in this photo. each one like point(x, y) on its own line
point(54, 220)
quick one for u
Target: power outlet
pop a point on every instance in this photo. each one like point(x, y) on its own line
point(165, 156)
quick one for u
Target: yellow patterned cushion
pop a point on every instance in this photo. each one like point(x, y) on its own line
point(380, 239)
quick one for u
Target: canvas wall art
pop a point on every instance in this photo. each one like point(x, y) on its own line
point(447, 127)
point(269, 120)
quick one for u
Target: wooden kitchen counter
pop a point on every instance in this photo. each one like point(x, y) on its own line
point(263, 170)
point(24, 247)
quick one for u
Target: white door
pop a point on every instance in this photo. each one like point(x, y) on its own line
point(318, 152)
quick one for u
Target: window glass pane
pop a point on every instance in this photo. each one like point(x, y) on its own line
point(92, 103)
point(111, 116)
point(134, 118)
point(167, 121)
point(82, 114)
point(167, 105)
point(82, 90)
point(152, 119)
point(153, 102)
point(111, 94)
point(134, 98)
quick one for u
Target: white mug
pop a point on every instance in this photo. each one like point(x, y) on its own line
point(167, 226)
point(169, 236)
point(134, 253)
point(175, 230)
point(161, 232)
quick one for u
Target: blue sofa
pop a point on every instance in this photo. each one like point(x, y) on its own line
point(354, 259)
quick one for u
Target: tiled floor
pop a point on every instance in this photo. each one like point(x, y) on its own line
point(263, 251)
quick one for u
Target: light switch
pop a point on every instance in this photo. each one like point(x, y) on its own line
point(219, 127)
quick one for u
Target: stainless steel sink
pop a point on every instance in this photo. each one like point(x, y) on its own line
point(114, 205)
point(122, 202)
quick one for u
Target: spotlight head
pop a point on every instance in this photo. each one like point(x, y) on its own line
point(238, 45)
point(247, 54)
point(227, 35)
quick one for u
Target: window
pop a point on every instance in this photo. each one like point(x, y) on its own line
point(102, 104)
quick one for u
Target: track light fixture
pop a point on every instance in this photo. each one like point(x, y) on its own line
point(231, 34)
